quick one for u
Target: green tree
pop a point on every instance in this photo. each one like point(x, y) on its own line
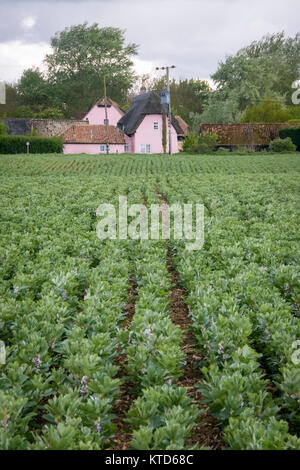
point(187, 96)
point(265, 69)
point(34, 89)
point(40, 112)
point(81, 56)
point(267, 111)
point(13, 100)
point(3, 128)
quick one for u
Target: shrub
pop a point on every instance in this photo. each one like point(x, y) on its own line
point(33, 133)
point(267, 111)
point(3, 128)
point(282, 145)
point(11, 144)
point(204, 143)
point(293, 133)
point(240, 150)
point(223, 151)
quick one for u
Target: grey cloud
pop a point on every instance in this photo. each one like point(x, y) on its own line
point(193, 34)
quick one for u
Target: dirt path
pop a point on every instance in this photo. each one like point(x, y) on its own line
point(123, 435)
point(207, 434)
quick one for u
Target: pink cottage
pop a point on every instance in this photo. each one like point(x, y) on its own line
point(143, 125)
point(140, 130)
point(93, 139)
point(96, 114)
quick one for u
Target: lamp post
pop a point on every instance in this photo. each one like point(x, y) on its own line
point(27, 145)
point(167, 68)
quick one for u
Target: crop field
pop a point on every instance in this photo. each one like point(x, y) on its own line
point(143, 344)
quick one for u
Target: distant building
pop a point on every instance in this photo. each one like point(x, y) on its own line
point(143, 125)
point(140, 130)
point(96, 115)
point(91, 139)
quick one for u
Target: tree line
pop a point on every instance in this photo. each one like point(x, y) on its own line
point(254, 85)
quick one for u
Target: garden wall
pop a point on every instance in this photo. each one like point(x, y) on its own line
point(245, 134)
point(44, 127)
point(51, 127)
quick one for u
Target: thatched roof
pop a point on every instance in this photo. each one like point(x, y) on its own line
point(146, 103)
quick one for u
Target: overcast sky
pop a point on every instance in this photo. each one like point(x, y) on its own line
point(192, 34)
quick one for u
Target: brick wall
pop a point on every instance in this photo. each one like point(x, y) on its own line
point(245, 134)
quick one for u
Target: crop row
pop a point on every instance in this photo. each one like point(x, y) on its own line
point(234, 388)
point(147, 165)
point(60, 317)
point(162, 416)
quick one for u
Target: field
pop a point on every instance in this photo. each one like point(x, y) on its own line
point(142, 344)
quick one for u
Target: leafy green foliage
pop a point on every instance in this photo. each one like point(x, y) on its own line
point(38, 112)
point(293, 133)
point(267, 111)
point(188, 96)
point(282, 145)
point(81, 56)
point(264, 69)
point(269, 434)
point(162, 418)
point(3, 128)
point(64, 297)
point(204, 143)
point(11, 144)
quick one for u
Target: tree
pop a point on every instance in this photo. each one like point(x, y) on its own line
point(40, 112)
point(13, 100)
point(34, 89)
point(187, 96)
point(221, 109)
point(267, 111)
point(265, 69)
point(81, 56)
point(3, 128)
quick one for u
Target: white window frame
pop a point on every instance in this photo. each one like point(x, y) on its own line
point(126, 148)
point(156, 126)
point(103, 148)
point(145, 148)
point(106, 122)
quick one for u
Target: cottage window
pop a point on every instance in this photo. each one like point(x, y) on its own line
point(103, 148)
point(145, 148)
point(155, 125)
point(106, 121)
point(126, 148)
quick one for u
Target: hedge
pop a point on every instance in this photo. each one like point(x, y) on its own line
point(17, 144)
point(293, 133)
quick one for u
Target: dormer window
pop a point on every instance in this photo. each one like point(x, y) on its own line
point(155, 126)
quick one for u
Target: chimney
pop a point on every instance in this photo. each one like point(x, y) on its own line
point(143, 87)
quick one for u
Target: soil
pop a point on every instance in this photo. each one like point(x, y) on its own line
point(206, 433)
point(123, 434)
